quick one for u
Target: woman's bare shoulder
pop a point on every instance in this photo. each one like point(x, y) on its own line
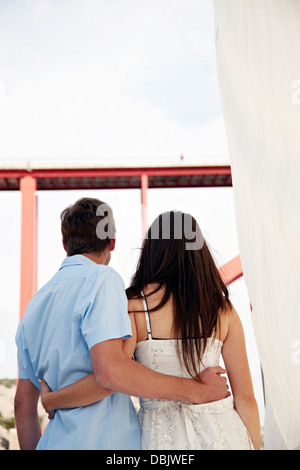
point(226, 315)
point(135, 304)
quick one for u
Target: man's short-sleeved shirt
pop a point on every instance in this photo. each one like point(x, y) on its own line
point(82, 305)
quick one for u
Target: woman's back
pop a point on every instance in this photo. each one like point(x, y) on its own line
point(179, 425)
point(157, 344)
point(162, 320)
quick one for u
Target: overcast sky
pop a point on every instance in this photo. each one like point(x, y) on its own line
point(109, 81)
point(99, 79)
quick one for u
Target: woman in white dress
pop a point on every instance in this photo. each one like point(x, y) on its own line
point(182, 322)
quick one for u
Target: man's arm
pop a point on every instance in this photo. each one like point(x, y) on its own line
point(26, 414)
point(115, 371)
point(87, 390)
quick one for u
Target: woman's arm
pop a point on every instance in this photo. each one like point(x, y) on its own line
point(81, 393)
point(236, 363)
point(86, 390)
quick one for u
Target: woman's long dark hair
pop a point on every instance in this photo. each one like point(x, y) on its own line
point(175, 256)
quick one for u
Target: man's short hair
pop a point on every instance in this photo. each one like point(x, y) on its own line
point(87, 226)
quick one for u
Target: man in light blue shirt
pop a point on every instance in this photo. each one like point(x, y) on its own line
point(75, 325)
point(63, 316)
point(83, 304)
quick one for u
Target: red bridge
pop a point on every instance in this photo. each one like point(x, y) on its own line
point(29, 180)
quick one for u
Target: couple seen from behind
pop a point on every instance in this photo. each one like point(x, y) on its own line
point(86, 344)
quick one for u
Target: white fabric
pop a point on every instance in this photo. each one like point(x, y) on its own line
point(258, 55)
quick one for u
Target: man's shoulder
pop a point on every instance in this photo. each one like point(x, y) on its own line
point(108, 274)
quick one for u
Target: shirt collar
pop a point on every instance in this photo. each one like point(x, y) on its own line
point(76, 260)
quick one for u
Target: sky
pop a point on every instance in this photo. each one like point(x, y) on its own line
point(110, 81)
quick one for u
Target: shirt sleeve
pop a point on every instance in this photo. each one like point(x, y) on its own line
point(25, 368)
point(106, 314)
point(22, 372)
